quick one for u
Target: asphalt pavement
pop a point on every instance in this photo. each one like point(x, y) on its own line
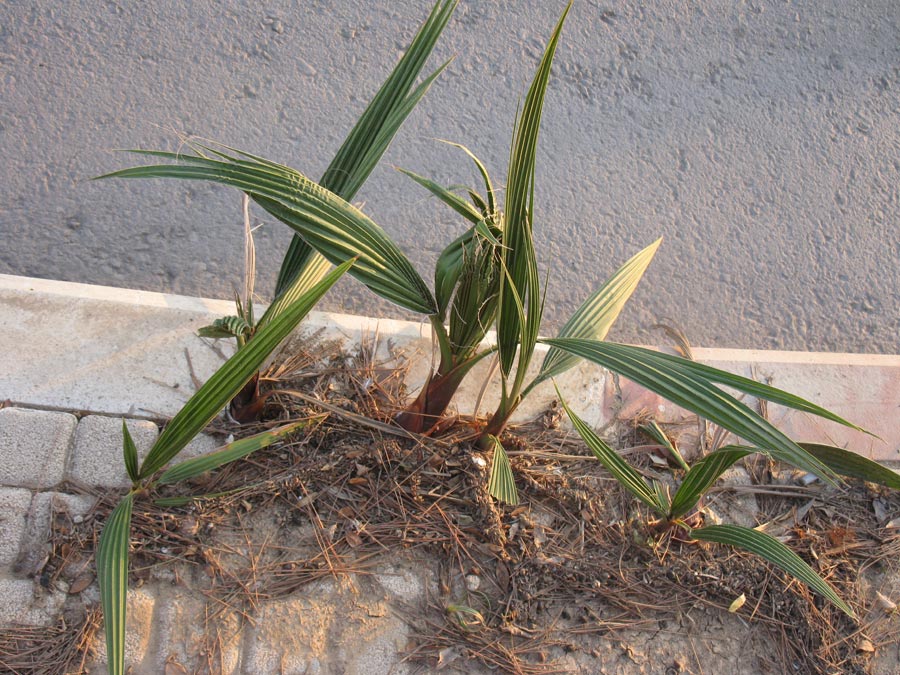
point(760, 139)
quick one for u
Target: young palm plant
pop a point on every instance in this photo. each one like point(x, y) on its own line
point(302, 266)
point(676, 510)
point(201, 408)
point(519, 305)
point(489, 276)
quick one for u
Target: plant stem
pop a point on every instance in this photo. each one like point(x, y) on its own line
point(423, 414)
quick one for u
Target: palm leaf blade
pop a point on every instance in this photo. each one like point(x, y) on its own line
point(226, 454)
point(451, 199)
point(758, 389)
point(335, 228)
point(621, 470)
point(206, 403)
point(598, 313)
point(688, 389)
point(129, 452)
point(112, 576)
point(518, 252)
point(502, 483)
point(849, 463)
point(491, 204)
point(371, 135)
point(702, 475)
point(775, 552)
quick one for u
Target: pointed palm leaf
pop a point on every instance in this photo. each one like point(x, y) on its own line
point(450, 263)
point(336, 229)
point(129, 452)
point(450, 198)
point(491, 205)
point(702, 475)
point(367, 142)
point(502, 484)
point(656, 433)
point(775, 552)
point(621, 470)
point(112, 576)
point(204, 405)
point(518, 252)
point(754, 388)
point(849, 463)
point(227, 453)
point(676, 381)
point(598, 313)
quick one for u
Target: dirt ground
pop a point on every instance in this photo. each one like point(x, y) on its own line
point(350, 548)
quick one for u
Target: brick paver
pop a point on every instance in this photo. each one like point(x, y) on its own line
point(97, 455)
point(34, 445)
point(14, 503)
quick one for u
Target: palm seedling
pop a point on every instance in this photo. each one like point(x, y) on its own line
point(676, 510)
point(517, 299)
point(302, 266)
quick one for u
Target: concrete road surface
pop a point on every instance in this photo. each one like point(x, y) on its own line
point(761, 139)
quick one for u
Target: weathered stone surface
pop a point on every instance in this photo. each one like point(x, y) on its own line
point(349, 622)
point(14, 503)
point(33, 446)
point(35, 542)
point(376, 647)
point(403, 582)
point(97, 455)
point(290, 634)
point(186, 637)
point(22, 602)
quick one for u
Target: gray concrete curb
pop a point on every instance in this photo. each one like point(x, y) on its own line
point(113, 351)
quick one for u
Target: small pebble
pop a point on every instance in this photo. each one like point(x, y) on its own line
point(473, 582)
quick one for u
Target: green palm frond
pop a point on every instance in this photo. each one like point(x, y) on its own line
point(366, 143)
point(599, 312)
point(112, 577)
point(502, 484)
point(130, 454)
point(621, 470)
point(206, 403)
point(849, 463)
point(336, 229)
point(775, 552)
point(226, 327)
point(227, 454)
point(702, 475)
point(691, 388)
point(518, 243)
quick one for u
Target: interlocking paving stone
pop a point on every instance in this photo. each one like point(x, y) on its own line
point(97, 455)
point(24, 603)
point(34, 546)
point(33, 446)
point(14, 503)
